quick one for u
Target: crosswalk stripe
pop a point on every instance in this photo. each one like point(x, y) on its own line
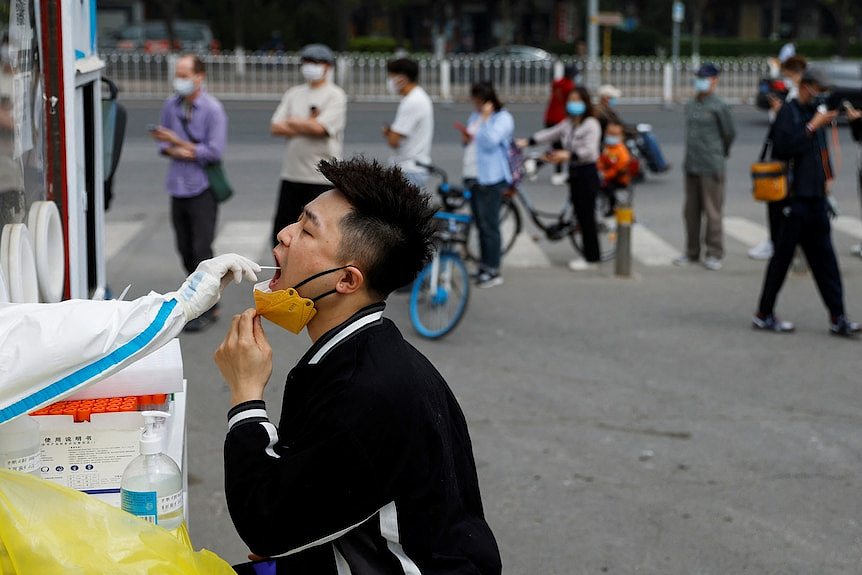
point(745, 231)
point(848, 225)
point(119, 234)
point(649, 249)
point(249, 238)
point(526, 253)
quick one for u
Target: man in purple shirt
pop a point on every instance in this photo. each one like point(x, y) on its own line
point(193, 134)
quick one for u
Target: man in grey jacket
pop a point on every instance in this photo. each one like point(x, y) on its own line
point(709, 133)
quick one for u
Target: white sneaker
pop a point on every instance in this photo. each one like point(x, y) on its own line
point(559, 179)
point(856, 250)
point(580, 265)
point(762, 251)
point(712, 263)
point(682, 260)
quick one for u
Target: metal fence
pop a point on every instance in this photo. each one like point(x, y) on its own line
point(363, 76)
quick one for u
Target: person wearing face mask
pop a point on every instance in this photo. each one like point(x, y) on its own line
point(192, 134)
point(311, 116)
point(605, 113)
point(799, 138)
point(580, 133)
point(709, 133)
point(555, 113)
point(614, 164)
point(412, 131)
point(791, 70)
point(370, 469)
point(494, 133)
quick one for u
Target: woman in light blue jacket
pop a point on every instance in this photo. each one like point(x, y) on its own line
point(493, 138)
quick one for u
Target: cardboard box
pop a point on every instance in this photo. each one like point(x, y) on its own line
point(92, 456)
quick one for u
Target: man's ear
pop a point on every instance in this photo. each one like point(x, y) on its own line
point(350, 280)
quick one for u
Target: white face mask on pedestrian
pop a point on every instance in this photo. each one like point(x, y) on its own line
point(312, 72)
point(184, 86)
point(393, 85)
point(702, 85)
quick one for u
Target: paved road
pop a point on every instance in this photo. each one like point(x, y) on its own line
point(619, 426)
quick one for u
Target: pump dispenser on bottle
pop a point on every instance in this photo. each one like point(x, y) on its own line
point(152, 484)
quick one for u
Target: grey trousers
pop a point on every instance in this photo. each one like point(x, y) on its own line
point(704, 196)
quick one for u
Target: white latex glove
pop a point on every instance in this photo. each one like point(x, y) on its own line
point(202, 289)
point(832, 207)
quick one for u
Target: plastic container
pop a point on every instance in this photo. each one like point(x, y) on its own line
point(20, 445)
point(152, 484)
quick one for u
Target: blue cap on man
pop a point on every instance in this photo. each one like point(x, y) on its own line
point(707, 70)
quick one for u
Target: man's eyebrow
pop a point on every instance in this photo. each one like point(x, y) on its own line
point(311, 216)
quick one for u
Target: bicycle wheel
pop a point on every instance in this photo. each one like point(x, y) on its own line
point(606, 229)
point(439, 297)
point(510, 228)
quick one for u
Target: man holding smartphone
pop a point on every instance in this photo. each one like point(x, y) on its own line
point(311, 116)
point(193, 134)
point(799, 138)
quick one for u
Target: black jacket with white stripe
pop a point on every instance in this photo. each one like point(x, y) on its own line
point(371, 471)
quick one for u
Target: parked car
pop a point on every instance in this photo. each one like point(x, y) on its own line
point(152, 38)
point(844, 75)
point(516, 52)
point(846, 79)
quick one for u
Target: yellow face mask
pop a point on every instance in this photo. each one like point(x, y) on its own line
point(286, 308)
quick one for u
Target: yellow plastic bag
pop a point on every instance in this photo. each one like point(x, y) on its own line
point(46, 528)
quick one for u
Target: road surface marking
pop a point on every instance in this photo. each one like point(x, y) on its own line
point(118, 235)
point(526, 253)
point(649, 249)
point(745, 231)
point(848, 225)
point(249, 238)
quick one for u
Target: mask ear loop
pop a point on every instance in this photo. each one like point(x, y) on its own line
point(317, 275)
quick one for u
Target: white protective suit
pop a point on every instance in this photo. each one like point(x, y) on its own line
point(49, 350)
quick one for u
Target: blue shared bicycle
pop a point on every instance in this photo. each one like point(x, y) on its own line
point(441, 291)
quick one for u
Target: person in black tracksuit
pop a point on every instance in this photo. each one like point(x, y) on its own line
point(370, 470)
point(799, 138)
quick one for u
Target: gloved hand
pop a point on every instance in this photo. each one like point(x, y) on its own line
point(202, 289)
point(832, 207)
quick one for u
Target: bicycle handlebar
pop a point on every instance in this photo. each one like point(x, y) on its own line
point(434, 170)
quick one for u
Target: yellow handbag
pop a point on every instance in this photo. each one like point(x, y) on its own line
point(769, 181)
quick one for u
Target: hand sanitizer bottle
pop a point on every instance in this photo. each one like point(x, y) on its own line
point(20, 445)
point(152, 484)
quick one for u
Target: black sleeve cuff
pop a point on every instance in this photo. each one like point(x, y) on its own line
point(247, 412)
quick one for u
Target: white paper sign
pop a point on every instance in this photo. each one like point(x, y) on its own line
point(23, 126)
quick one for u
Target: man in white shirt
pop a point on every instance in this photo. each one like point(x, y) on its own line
point(312, 117)
point(412, 131)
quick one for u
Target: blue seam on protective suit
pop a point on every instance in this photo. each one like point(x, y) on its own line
point(87, 373)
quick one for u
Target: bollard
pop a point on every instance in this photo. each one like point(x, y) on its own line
point(625, 218)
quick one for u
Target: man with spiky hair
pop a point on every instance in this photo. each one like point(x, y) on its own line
point(371, 469)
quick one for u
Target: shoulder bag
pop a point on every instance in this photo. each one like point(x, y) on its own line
point(768, 179)
point(219, 184)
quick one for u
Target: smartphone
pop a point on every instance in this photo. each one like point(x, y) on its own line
point(152, 127)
